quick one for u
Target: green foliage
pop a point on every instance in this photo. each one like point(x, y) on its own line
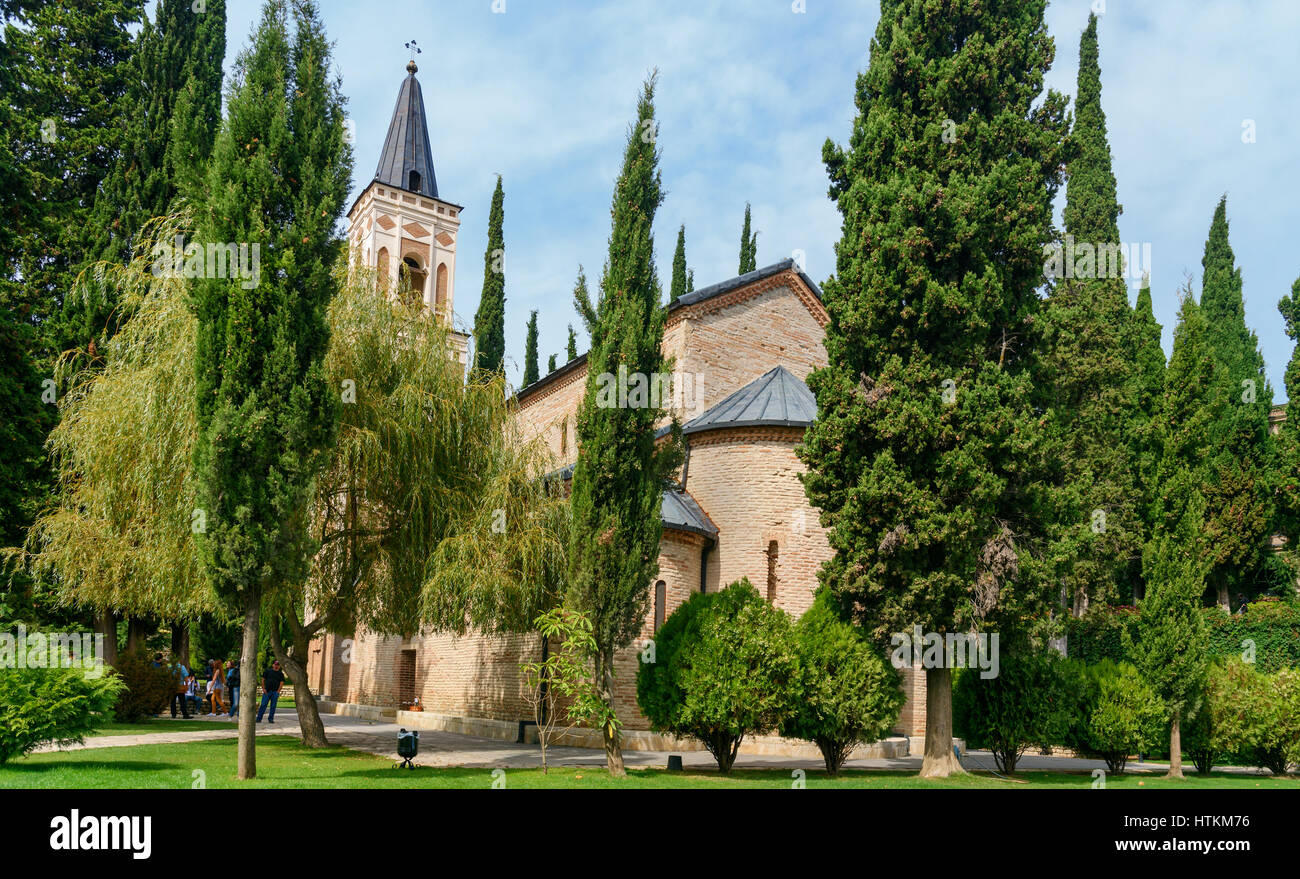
point(725, 666)
point(1276, 716)
point(560, 687)
point(1288, 436)
point(146, 689)
point(920, 456)
point(617, 486)
point(748, 248)
point(52, 705)
point(1025, 705)
point(530, 350)
point(677, 288)
point(490, 319)
point(1113, 713)
point(1223, 727)
point(1091, 503)
point(846, 691)
point(1147, 393)
point(571, 348)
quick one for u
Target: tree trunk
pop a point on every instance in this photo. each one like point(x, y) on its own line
point(181, 641)
point(939, 762)
point(138, 630)
point(310, 726)
point(106, 625)
point(248, 681)
point(1223, 601)
point(610, 734)
point(1175, 748)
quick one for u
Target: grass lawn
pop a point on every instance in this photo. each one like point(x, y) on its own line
point(159, 725)
point(283, 763)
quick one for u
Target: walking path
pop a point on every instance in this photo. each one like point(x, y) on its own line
point(453, 749)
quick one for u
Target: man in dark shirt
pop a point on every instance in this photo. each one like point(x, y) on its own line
point(272, 679)
point(232, 684)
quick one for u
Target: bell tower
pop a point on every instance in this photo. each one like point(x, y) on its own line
point(399, 225)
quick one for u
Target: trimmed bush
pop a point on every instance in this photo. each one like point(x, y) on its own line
point(724, 667)
point(1024, 706)
point(845, 692)
point(146, 690)
point(60, 705)
point(1113, 711)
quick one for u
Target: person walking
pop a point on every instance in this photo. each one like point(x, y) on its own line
point(232, 686)
point(272, 680)
point(179, 674)
point(218, 687)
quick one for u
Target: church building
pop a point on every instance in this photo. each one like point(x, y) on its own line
point(743, 346)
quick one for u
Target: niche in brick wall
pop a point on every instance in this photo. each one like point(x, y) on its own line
point(405, 678)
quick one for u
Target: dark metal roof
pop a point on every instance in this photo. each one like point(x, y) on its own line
point(777, 398)
point(740, 281)
point(406, 148)
point(680, 512)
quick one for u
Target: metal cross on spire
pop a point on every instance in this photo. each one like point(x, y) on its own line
point(415, 50)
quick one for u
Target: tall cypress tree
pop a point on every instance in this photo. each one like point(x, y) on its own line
point(1170, 648)
point(490, 319)
point(1288, 435)
point(196, 115)
point(266, 414)
point(618, 478)
point(677, 288)
point(550, 364)
point(571, 349)
point(1239, 489)
point(919, 454)
point(530, 350)
point(1091, 511)
point(1148, 381)
point(748, 246)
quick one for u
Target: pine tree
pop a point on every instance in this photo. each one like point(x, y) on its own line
point(919, 453)
point(266, 415)
point(1239, 490)
point(677, 288)
point(748, 246)
point(490, 319)
point(1085, 377)
point(618, 479)
point(1170, 648)
point(571, 349)
point(530, 350)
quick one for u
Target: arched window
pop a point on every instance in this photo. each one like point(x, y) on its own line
point(414, 181)
point(381, 266)
point(661, 603)
point(772, 552)
point(413, 278)
point(564, 436)
point(440, 290)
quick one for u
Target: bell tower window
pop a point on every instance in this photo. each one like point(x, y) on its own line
point(413, 179)
point(413, 279)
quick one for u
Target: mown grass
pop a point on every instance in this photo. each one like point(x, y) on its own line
point(282, 762)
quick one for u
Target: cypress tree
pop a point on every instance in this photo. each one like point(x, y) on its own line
point(1288, 435)
point(266, 415)
point(618, 479)
point(1170, 647)
point(677, 288)
point(196, 116)
point(1093, 531)
point(582, 301)
point(1239, 491)
point(530, 350)
point(748, 246)
point(1148, 380)
point(550, 364)
point(919, 454)
point(490, 319)
point(571, 349)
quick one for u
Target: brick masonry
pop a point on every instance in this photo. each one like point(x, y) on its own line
point(746, 480)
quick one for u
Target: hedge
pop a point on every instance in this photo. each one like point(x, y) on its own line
point(1273, 626)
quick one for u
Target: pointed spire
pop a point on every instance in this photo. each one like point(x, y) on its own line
point(406, 160)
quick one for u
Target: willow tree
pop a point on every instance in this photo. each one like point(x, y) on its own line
point(118, 534)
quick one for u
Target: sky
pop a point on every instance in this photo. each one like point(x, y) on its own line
point(543, 94)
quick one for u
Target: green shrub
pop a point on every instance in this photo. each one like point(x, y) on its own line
point(845, 691)
point(724, 667)
point(60, 705)
point(1275, 737)
point(146, 690)
point(1024, 706)
point(1113, 712)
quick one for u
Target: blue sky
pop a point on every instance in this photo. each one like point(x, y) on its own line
point(748, 91)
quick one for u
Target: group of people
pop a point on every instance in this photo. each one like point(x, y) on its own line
point(223, 678)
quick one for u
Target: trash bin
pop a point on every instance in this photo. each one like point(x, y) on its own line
point(408, 745)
